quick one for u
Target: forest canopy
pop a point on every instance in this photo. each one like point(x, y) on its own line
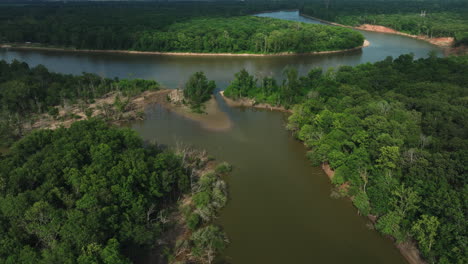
point(80, 195)
point(93, 193)
point(248, 35)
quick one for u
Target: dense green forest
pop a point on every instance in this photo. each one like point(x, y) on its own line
point(441, 19)
point(26, 91)
point(248, 35)
point(396, 134)
point(93, 193)
point(181, 27)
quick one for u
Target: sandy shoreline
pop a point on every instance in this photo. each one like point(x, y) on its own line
point(14, 46)
point(441, 42)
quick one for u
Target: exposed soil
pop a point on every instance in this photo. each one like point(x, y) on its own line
point(410, 252)
point(247, 102)
point(212, 119)
point(442, 42)
point(103, 107)
point(326, 168)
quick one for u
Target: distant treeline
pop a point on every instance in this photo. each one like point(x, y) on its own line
point(116, 25)
point(438, 19)
point(396, 134)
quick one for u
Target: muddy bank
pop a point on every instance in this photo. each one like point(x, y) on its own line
point(133, 109)
point(247, 102)
point(104, 107)
point(22, 46)
point(407, 249)
point(441, 42)
point(326, 168)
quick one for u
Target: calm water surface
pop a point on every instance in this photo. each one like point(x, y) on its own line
point(280, 209)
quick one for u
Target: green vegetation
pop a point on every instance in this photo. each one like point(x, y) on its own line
point(101, 25)
point(198, 90)
point(247, 35)
point(395, 132)
point(88, 193)
point(26, 91)
point(179, 27)
point(289, 92)
point(441, 19)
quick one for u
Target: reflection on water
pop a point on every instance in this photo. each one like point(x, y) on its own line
point(173, 71)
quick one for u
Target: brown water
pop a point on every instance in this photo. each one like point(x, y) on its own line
point(280, 209)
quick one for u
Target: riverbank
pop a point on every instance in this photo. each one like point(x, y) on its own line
point(407, 249)
point(118, 109)
point(14, 46)
point(247, 102)
point(441, 42)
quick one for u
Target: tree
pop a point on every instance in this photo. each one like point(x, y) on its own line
point(70, 209)
point(241, 86)
point(208, 241)
point(198, 90)
point(389, 224)
point(405, 199)
point(425, 231)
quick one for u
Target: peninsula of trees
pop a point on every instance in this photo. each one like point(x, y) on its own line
point(165, 29)
point(395, 133)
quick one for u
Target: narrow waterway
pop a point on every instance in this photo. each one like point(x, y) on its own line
point(280, 209)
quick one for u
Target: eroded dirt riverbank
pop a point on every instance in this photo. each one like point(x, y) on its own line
point(212, 118)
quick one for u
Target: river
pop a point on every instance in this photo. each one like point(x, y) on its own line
point(280, 209)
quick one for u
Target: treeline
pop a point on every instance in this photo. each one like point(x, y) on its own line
point(116, 25)
point(247, 35)
point(93, 193)
point(396, 134)
point(25, 91)
point(440, 19)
